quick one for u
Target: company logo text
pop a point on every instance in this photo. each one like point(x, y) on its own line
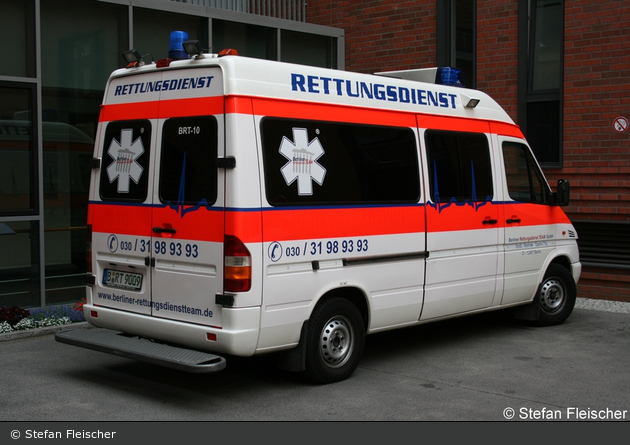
point(188, 83)
point(373, 91)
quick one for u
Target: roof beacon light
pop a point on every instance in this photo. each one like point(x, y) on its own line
point(450, 76)
point(176, 50)
point(228, 52)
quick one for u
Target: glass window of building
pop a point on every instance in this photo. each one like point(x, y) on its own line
point(19, 240)
point(309, 49)
point(457, 32)
point(19, 272)
point(152, 31)
point(547, 45)
point(540, 105)
point(18, 150)
point(82, 42)
point(249, 40)
point(17, 34)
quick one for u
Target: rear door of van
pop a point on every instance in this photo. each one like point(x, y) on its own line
point(158, 219)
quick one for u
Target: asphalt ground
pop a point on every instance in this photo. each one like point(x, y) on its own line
point(486, 367)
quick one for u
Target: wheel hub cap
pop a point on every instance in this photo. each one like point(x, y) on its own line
point(336, 341)
point(552, 296)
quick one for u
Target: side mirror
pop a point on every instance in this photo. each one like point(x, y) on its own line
point(563, 193)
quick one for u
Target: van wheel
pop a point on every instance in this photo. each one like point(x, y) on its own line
point(556, 294)
point(334, 341)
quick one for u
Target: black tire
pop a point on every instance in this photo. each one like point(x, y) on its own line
point(334, 341)
point(556, 296)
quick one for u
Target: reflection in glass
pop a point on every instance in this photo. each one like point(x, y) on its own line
point(18, 193)
point(19, 270)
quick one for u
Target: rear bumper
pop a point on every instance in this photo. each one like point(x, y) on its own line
point(112, 342)
point(238, 336)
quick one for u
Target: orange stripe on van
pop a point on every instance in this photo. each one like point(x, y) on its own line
point(505, 129)
point(306, 110)
point(268, 225)
point(331, 112)
point(120, 219)
point(136, 110)
point(535, 214)
point(138, 220)
point(162, 109)
point(295, 224)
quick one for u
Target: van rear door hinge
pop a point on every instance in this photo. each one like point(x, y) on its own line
point(96, 162)
point(229, 162)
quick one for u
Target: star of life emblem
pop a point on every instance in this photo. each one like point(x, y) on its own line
point(302, 165)
point(125, 166)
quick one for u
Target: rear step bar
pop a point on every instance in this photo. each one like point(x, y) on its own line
point(117, 343)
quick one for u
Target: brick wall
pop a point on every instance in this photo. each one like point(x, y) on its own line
point(596, 91)
point(596, 157)
point(497, 52)
point(381, 35)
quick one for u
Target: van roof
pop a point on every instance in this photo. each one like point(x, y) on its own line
point(244, 76)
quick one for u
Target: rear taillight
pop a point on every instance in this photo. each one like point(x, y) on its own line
point(237, 273)
point(88, 258)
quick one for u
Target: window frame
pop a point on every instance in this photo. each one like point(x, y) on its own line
point(104, 183)
point(533, 169)
point(213, 158)
point(526, 94)
point(273, 162)
point(489, 169)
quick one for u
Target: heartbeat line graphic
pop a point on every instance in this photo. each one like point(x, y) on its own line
point(475, 204)
point(179, 205)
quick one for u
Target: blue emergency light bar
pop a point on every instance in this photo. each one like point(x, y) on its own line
point(450, 76)
point(176, 50)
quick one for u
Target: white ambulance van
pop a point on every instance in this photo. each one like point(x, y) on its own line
point(240, 206)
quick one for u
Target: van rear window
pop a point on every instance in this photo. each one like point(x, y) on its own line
point(322, 163)
point(188, 163)
point(125, 163)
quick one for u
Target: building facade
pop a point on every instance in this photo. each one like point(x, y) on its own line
point(58, 55)
point(561, 69)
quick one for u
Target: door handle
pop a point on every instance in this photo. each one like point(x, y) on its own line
point(164, 230)
point(489, 221)
point(513, 220)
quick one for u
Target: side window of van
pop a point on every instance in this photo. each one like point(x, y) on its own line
point(525, 181)
point(320, 163)
point(459, 167)
point(188, 163)
point(125, 161)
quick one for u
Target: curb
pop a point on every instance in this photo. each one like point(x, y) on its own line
point(41, 331)
point(618, 307)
